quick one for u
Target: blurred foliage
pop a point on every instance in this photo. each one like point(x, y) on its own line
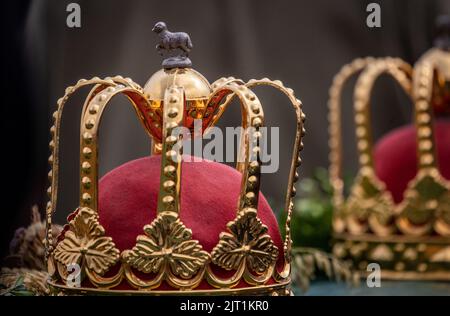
point(313, 211)
point(312, 214)
point(17, 289)
point(311, 232)
point(310, 263)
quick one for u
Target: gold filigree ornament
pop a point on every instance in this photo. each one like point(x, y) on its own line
point(166, 259)
point(86, 245)
point(247, 243)
point(405, 238)
point(167, 249)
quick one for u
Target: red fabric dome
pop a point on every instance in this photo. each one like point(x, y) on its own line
point(396, 156)
point(209, 196)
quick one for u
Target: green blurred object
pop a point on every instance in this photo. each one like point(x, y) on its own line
point(17, 289)
point(313, 212)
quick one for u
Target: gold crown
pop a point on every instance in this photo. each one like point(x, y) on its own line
point(411, 239)
point(172, 97)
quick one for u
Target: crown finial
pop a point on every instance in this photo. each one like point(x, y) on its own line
point(174, 46)
point(442, 37)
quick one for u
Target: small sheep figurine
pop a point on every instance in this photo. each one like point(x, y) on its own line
point(172, 41)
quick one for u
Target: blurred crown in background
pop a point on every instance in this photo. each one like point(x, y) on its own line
point(157, 225)
point(398, 209)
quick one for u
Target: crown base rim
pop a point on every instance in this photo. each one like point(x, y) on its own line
point(282, 288)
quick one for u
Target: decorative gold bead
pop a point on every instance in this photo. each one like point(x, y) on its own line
point(359, 105)
point(423, 92)
point(87, 152)
point(171, 139)
point(93, 109)
point(278, 82)
point(50, 159)
point(257, 135)
point(410, 254)
point(169, 185)
point(168, 199)
point(250, 196)
point(171, 154)
point(102, 97)
point(422, 267)
point(360, 118)
point(86, 182)
point(89, 123)
point(87, 137)
point(421, 247)
point(360, 131)
point(173, 99)
point(432, 204)
point(49, 191)
point(86, 167)
point(169, 170)
point(424, 118)
point(364, 159)
point(255, 108)
point(399, 247)
point(293, 192)
point(172, 113)
point(400, 266)
point(171, 125)
point(424, 131)
point(252, 180)
point(257, 122)
point(303, 115)
point(69, 89)
point(422, 105)
point(250, 96)
point(363, 145)
point(86, 198)
point(426, 159)
point(254, 166)
point(425, 145)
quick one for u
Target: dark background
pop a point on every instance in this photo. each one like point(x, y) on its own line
point(303, 43)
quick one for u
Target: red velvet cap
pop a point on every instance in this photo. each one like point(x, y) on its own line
point(396, 156)
point(209, 197)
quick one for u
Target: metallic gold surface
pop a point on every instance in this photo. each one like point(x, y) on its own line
point(166, 251)
point(368, 226)
point(247, 240)
point(194, 84)
point(85, 244)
